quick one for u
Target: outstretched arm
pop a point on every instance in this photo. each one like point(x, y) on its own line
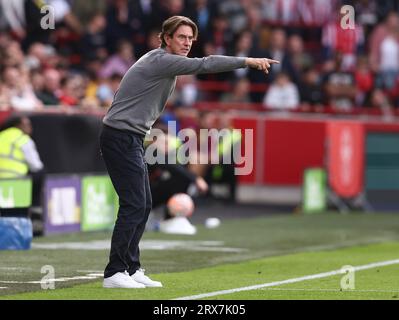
point(174, 65)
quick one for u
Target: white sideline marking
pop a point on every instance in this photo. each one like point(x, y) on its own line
point(193, 245)
point(288, 281)
point(3, 288)
point(15, 268)
point(330, 290)
point(90, 276)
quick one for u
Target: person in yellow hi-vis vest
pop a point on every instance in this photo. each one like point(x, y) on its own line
point(19, 156)
point(223, 172)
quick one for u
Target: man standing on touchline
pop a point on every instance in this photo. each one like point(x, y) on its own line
point(138, 103)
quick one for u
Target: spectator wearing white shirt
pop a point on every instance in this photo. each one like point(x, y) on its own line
point(12, 17)
point(384, 51)
point(315, 12)
point(282, 95)
point(21, 94)
point(282, 12)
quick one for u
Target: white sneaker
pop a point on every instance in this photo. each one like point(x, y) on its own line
point(121, 280)
point(141, 278)
point(177, 225)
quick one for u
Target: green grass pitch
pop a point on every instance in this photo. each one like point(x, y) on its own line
point(238, 255)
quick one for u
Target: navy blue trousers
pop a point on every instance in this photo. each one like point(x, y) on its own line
point(123, 154)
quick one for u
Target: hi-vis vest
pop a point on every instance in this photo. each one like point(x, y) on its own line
point(12, 159)
point(225, 146)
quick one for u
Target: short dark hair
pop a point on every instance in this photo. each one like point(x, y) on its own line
point(170, 26)
point(12, 121)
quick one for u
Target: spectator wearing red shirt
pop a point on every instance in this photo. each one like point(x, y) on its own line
point(364, 79)
point(347, 42)
point(73, 91)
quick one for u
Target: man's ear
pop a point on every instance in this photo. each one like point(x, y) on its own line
point(167, 39)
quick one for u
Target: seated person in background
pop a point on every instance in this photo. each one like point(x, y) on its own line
point(168, 178)
point(339, 85)
point(282, 95)
point(300, 58)
point(106, 90)
point(186, 92)
point(4, 98)
point(48, 93)
point(364, 79)
point(311, 91)
point(72, 90)
point(384, 51)
point(120, 62)
point(20, 91)
point(240, 92)
point(377, 99)
point(19, 156)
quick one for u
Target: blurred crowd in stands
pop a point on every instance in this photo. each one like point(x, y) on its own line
point(78, 65)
